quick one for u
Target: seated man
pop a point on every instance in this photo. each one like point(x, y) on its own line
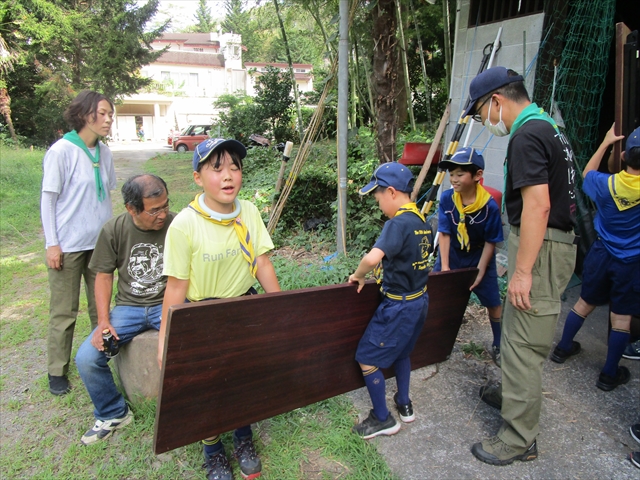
point(132, 243)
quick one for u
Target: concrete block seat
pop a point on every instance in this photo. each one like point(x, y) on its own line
point(137, 366)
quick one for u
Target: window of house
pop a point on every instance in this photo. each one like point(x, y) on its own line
point(198, 49)
point(165, 76)
point(482, 12)
point(299, 70)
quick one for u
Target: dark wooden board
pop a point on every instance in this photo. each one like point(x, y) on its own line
point(233, 362)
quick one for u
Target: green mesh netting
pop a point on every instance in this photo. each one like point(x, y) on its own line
point(578, 35)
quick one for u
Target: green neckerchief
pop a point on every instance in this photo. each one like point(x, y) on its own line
point(74, 138)
point(530, 112)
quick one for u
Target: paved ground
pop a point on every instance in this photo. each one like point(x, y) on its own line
point(129, 157)
point(584, 431)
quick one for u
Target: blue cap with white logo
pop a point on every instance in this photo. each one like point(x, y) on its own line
point(206, 148)
point(463, 156)
point(391, 174)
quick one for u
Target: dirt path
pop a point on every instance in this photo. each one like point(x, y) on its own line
point(129, 158)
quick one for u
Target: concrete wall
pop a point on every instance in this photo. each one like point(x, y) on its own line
point(469, 44)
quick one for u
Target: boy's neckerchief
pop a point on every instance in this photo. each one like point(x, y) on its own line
point(625, 190)
point(530, 112)
point(74, 138)
point(482, 197)
point(407, 207)
point(241, 230)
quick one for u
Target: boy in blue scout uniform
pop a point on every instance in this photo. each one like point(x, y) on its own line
point(216, 248)
point(403, 249)
point(470, 225)
point(612, 266)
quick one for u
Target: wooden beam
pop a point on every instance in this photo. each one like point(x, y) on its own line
point(622, 32)
point(232, 362)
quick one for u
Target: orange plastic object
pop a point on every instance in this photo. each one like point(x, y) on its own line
point(415, 153)
point(496, 194)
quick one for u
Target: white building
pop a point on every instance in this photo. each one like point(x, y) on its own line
point(301, 72)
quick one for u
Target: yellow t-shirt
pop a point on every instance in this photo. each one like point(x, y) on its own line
point(209, 255)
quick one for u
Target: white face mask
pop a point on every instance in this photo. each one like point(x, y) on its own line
point(499, 129)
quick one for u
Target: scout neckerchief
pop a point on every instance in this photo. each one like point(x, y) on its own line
point(625, 190)
point(74, 138)
point(530, 112)
point(482, 197)
point(407, 207)
point(241, 230)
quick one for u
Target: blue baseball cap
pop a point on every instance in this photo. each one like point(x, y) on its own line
point(486, 82)
point(633, 140)
point(390, 174)
point(463, 156)
point(205, 149)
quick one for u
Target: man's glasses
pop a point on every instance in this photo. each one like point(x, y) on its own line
point(157, 211)
point(476, 117)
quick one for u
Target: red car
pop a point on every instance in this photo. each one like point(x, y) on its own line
point(190, 137)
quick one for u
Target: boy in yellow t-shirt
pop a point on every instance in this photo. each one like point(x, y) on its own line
point(216, 248)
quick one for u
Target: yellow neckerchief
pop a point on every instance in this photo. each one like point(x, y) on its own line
point(407, 207)
point(625, 190)
point(241, 231)
point(482, 197)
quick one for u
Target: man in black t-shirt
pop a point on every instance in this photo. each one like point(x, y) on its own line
point(133, 244)
point(540, 202)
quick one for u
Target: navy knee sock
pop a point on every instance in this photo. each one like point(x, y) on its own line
point(496, 329)
point(374, 379)
point(403, 375)
point(243, 432)
point(572, 325)
point(213, 446)
point(618, 341)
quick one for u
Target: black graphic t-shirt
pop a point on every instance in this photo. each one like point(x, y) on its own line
point(137, 255)
point(538, 155)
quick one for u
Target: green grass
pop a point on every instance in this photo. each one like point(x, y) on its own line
point(41, 433)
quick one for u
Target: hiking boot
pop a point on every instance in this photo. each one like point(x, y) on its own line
point(495, 354)
point(217, 466)
point(559, 356)
point(245, 453)
point(635, 432)
point(495, 452)
point(492, 395)
point(103, 429)
point(608, 383)
point(635, 458)
point(632, 351)
point(372, 427)
point(59, 385)
point(405, 411)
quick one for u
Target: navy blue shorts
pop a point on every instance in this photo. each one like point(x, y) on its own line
point(605, 279)
point(487, 291)
point(392, 332)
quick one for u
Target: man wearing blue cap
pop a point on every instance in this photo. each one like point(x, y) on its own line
point(216, 248)
point(469, 225)
point(403, 250)
point(611, 271)
point(540, 202)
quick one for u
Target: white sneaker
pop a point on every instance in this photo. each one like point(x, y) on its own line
point(103, 429)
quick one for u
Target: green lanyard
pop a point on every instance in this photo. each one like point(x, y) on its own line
point(74, 138)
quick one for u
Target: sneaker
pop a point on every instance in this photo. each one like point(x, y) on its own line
point(495, 452)
point(559, 356)
point(632, 352)
point(608, 383)
point(245, 453)
point(217, 466)
point(372, 427)
point(635, 458)
point(404, 411)
point(492, 395)
point(103, 429)
point(495, 354)
point(635, 432)
point(59, 385)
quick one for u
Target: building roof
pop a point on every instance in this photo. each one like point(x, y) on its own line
point(191, 39)
point(277, 65)
point(192, 58)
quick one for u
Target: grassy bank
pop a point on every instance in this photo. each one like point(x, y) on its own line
point(40, 433)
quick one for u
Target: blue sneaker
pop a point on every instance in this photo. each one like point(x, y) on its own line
point(632, 352)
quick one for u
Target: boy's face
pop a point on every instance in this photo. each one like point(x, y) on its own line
point(221, 185)
point(463, 182)
point(385, 199)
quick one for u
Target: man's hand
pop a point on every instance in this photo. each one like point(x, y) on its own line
point(356, 279)
point(54, 257)
point(96, 338)
point(519, 290)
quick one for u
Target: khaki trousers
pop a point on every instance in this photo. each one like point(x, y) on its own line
point(526, 339)
point(63, 307)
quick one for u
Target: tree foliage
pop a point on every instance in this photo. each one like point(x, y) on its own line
point(204, 21)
